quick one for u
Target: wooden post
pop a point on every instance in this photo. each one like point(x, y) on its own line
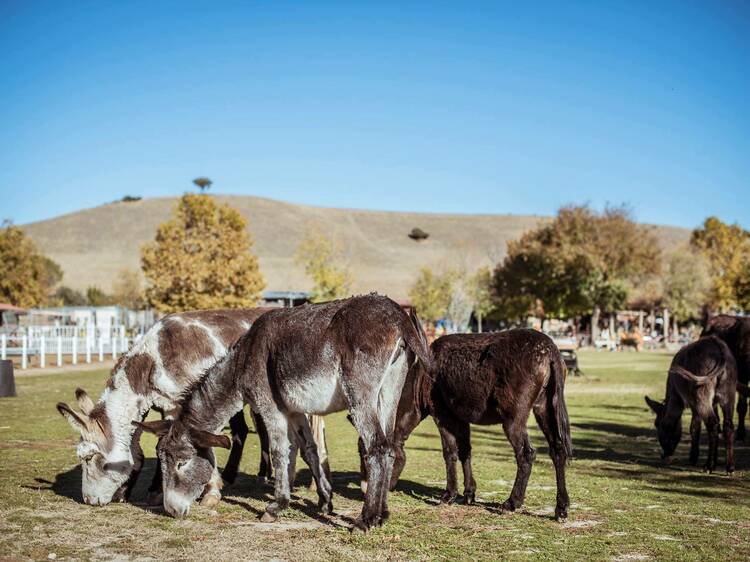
point(114, 347)
point(59, 351)
point(7, 382)
point(640, 322)
point(42, 351)
point(88, 347)
point(3, 347)
point(665, 325)
point(101, 349)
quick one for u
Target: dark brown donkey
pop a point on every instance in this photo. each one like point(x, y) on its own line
point(735, 332)
point(489, 379)
point(315, 359)
point(702, 377)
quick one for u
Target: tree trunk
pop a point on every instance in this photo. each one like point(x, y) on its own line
point(595, 324)
point(675, 328)
point(479, 323)
point(665, 324)
point(612, 330)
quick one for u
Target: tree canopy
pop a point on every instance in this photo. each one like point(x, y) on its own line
point(726, 248)
point(201, 258)
point(28, 277)
point(431, 295)
point(686, 283)
point(580, 262)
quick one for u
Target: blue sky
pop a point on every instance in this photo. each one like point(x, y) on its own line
point(466, 107)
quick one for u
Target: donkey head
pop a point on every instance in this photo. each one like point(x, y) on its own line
point(102, 477)
point(668, 428)
point(187, 461)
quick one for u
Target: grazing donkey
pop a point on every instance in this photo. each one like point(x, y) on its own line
point(735, 332)
point(488, 379)
point(349, 354)
point(172, 355)
point(702, 377)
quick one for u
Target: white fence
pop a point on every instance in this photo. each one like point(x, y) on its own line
point(77, 344)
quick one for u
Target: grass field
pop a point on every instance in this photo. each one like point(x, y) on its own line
point(625, 504)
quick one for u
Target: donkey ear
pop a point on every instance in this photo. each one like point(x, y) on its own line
point(158, 427)
point(77, 421)
point(208, 439)
point(84, 402)
point(657, 407)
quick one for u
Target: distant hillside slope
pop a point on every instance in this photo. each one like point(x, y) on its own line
point(93, 245)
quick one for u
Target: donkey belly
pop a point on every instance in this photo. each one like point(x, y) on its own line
point(314, 394)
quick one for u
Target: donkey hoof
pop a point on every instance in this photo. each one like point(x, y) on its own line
point(448, 498)
point(325, 506)
point(210, 500)
point(561, 514)
point(507, 507)
point(469, 498)
point(155, 498)
point(268, 517)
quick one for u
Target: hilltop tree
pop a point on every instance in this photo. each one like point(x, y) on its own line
point(581, 262)
point(727, 251)
point(203, 183)
point(28, 276)
point(322, 259)
point(201, 258)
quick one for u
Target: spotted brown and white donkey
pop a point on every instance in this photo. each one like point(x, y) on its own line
point(173, 355)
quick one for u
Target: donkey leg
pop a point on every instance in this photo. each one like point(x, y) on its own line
point(464, 455)
point(264, 472)
point(375, 446)
point(741, 411)
point(519, 439)
point(155, 494)
point(450, 456)
point(239, 429)
point(727, 414)
point(310, 454)
point(281, 447)
point(545, 419)
point(212, 495)
point(695, 438)
point(712, 425)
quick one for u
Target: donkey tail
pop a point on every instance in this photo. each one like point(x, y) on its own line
point(556, 402)
point(416, 340)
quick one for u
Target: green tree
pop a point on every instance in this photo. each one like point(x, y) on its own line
point(580, 262)
point(201, 258)
point(727, 251)
point(686, 284)
point(323, 261)
point(28, 276)
point(65, 296)
point(127, 290)
point(431, 295)
point(96, 297)
point(203, 183)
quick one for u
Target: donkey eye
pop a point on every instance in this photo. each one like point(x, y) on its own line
point(181, 464)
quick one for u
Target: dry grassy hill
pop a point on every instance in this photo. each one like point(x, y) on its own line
point(93, 245)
